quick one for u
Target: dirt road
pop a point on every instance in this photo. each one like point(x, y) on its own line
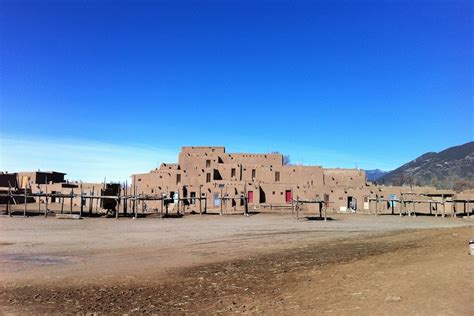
point(233, 264)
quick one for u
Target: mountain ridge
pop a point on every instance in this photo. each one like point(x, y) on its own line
point(451, 168)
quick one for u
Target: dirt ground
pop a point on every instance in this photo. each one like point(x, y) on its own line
point(269, 264)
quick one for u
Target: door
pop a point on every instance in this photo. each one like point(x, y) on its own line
point(288, 196)
point(250, 196)
point(351, 203)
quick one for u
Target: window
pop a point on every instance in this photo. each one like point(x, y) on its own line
point(277, 176)
point(254, 172)
point(193, 195)
point(208, 163)
point(208, 177)
point(232, 173)
point(178, 179)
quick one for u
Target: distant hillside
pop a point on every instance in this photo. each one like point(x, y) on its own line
point(452, 168)
point(373, 175)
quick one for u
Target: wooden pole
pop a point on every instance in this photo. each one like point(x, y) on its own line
point(225, 206)
point(24, 211)
point(134, 194)
point(220, 204)
point(200, 201)
point(91, 201)
point(179, 197)
point(72, 196)
point(97, 200)
point(292, 205)
point(205, 204)
point(246, 206)
point(118, 205)
point(135, 209)
point(293, 209)
point(376, 205)
point(62, 202)
point(8, 200)
point(82, 204)
point(325, 212)
point(125, 206)
point(444, 206)
point(39, 205)
point(46, 199)
point(162, 205)
point(401, 205)
point(297, 208)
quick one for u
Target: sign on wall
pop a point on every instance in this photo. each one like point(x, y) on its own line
point(392, 198)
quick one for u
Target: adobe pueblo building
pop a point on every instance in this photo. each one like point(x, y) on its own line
point(208, 178)
point(211, 173)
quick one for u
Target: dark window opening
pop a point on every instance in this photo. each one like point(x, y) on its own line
point(217, 175)
point(277, 176)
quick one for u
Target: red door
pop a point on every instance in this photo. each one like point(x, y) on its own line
point(250, 196)
point(288, 196)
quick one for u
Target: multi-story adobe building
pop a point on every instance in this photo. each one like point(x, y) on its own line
point(210, 172)
point(264, 179)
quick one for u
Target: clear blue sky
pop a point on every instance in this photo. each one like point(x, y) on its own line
point(333, 83)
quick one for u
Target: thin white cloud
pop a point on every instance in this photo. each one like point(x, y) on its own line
point(87, 161)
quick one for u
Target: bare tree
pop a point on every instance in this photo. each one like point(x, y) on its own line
point(462, 184)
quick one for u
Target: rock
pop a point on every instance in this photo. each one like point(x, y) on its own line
point(392, 298)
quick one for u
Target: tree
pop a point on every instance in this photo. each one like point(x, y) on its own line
point(462, 184)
